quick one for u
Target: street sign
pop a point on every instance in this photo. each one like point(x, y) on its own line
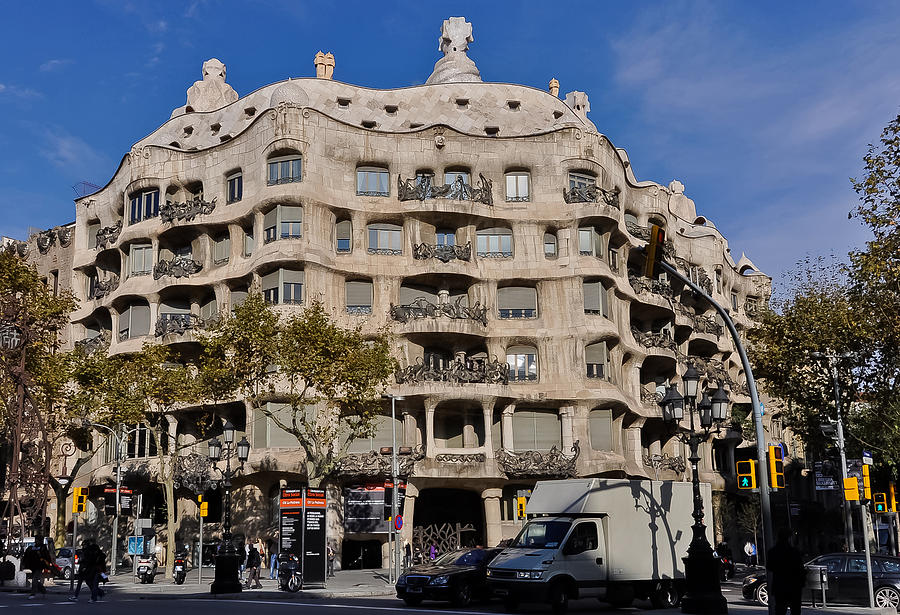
point(826, 475)
point(10, 336)
point(398, 523)
point(867, 458)
point(135, 545)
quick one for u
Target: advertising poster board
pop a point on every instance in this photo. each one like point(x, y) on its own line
point(315, 506)
point(290, 535)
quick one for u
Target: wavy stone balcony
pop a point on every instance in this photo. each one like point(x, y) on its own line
point(179, 324)
point(443, 253)
point(652, 339)
point(546, 464)
point(177, 268)
point(103, 288)
point(422, 188)
point(592, 194)
point(461, 370)
point(422, 308)
point(187, 211)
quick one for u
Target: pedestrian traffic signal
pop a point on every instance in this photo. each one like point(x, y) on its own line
point(79, 499)
point(746, 474)
point(655, 249)
point(867, 485)
point(204, 509)
point(776, 466)
point(893, 492)
point(851, 489)
point(521, 501)
point(880, 500)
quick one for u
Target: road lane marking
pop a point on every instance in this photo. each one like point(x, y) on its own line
point(404, 608)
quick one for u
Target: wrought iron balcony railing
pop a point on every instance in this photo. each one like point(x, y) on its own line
point(552, 463)
point(108, 235)
point(651, 339)
point(186, 211)
point(443, 253)
point(359, 310)
point(422, 188)
point(641, 285)
point(93, 344)
point(422, 308)
point(102, 288)
point(178, 324)
point(458, 370)
point(593, 194)
point(180, 267)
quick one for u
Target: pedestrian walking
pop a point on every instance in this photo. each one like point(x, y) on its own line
point(329, 550)
point(34, 560)
point(253, 562)
point(787, 574)
point(262, 553)
point(407, 555)
point(750, 552)
point(273, 564)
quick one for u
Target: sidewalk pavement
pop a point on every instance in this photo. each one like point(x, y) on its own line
point(345, 584)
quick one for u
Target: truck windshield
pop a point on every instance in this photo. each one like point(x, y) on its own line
point(542, 534)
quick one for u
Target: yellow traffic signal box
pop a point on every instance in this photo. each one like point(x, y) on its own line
point(893, 493)
point(204, 506)
point(79, 499)
point(521, 501)
point(655, 249)
point(880, 500)
point(867, 485)
point(851, 489)
point(746, 474)
point(776, 466)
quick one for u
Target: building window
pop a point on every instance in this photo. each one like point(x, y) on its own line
point(372, 181)
point(359, 297)
point(536, 430)
point(284, 170)
point(596, 299)
point(581, 180)
point(235, 188)
point(522, 361)
point(600, 422)
point(550, 249)
point(134, 321)
point(266, 432)
point(248, 242)
point(385, 239)
point(238, 296)
point(612, 256)
point(382, 435)
point(590, 242)
point(597, 359)
point(517, 186)
point(734, 301)
point(140, 259)
point(283, 222)
point(445, 237)
point(517, 302)
point(221, 249)
point(283, 286)
point(494, 243)
point(343, 231)
point(718, 275)
point(144, 205)
point(451, 177)
point(209, 309)
point(92, 230)
point(141, 444)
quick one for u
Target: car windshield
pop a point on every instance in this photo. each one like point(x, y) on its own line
point(472, 557)
point(542, 534)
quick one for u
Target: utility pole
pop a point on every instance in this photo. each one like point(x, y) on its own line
point(833, 366)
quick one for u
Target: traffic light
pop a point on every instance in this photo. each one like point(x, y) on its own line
point(79, 499)
point(893, 493)
point(521, 501)
point(880, 500)
point(776, 466)
point(851, 489)
point(746, 474)
point(204, 506)
point(867, 485)
point(655, 249)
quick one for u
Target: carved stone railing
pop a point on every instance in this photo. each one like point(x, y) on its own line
point(177, 268)
point(652, 339)
point(665, 462)
point(445, 254)
point(108, 235)
point(93, 344)
point(422, 308)
point(457, 371)
point(593, 194)
point(549, 464)
point(186, 211)
point(419, 189)
point(104, 287)
point(46, 239)
point(374, 463)
point(178, 324)
point(658, 287)
point(460, 458)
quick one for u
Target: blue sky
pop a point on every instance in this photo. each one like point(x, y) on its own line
point(762, 109)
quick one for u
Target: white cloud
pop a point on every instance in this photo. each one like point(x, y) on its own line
point(54, 64)
point(72, 155)
point(19, 92)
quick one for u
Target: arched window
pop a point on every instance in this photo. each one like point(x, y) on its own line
point(494, 243)
point(581, 180)
point(144, 204)
point(234, 187)
point(522, 361)
point(358, 296)
point(445, 237)
point(550, 247)
point(283, 222)
point(285, 169)
point(590, 241)
point(596, 298)
point(596, 358)
point(517, 302)
point(283, 286)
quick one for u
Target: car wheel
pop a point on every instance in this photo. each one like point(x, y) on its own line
point(462, 596)
point(412, 600)
point(762, 594)
point(665, 597)
point(559, 597)
point(887, 597)
point(67, 573)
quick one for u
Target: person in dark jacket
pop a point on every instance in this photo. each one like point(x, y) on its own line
point(786, 574)
point(253, 562)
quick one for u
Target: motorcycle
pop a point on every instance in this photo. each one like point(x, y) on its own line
point(180, 567)
point(290, 577)
point(146, 568)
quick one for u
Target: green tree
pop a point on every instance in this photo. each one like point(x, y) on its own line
point(329, 377)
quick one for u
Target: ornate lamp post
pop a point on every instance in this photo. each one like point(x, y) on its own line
point(704, 593)
point(228, 561)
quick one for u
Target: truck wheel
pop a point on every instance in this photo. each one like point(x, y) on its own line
point(559, 597)
point(412, 600)
point(462, 596)
point(665, 597)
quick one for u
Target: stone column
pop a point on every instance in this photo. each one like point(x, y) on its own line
point(492, 528)
point(430, 405)
point(488, 411)
point(567, 424)
point(506, 427)
point(631, 443)
point(409, 510)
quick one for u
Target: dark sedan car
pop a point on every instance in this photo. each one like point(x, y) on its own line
point(847, 582)
point(457, 576)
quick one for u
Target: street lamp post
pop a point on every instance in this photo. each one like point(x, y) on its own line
point(395, 497)
point(704, 593)
point(228, 561)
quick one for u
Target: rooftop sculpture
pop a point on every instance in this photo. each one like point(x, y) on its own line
point(211, 93)
point(455, 66)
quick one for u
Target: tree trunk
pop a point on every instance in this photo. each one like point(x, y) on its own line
point(170, 521)
point(62, 494)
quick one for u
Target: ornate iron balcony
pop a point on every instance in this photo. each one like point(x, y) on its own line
point(385, 251)
point(359, 310)
point(460, 458)
point(461, 371)
point(108, 235)
point(652, 339)
point(443, 253)
point(180, 267)
point(178, 324)
point(641, 284)
point(374, 463)
point(421, 188)
point(186, 211)
point(593, 194)
point(93, 344)
point(422, 308)
point(552, 463)
point(373, 193)
point(104, 287)
point(497, 254)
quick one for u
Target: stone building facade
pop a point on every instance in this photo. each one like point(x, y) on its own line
point(491, 226)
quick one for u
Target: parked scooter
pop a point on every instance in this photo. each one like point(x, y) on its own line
point(290, 577)
point(180, 567)
point(146, 568)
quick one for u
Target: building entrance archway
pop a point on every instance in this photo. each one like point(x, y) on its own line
point(447, 518)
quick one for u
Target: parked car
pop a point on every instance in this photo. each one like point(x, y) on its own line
point(847, 582)
point(67, 560)
point(457, 577)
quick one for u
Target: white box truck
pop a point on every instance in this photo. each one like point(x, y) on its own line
point(611, 539)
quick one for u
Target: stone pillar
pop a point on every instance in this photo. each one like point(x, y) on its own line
point(487, 408)
point(506, 427)
point(554, 87)
point(430, 405)
point(492, 529)
point(409, 510)
point(567, 424)
point(631, 440)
